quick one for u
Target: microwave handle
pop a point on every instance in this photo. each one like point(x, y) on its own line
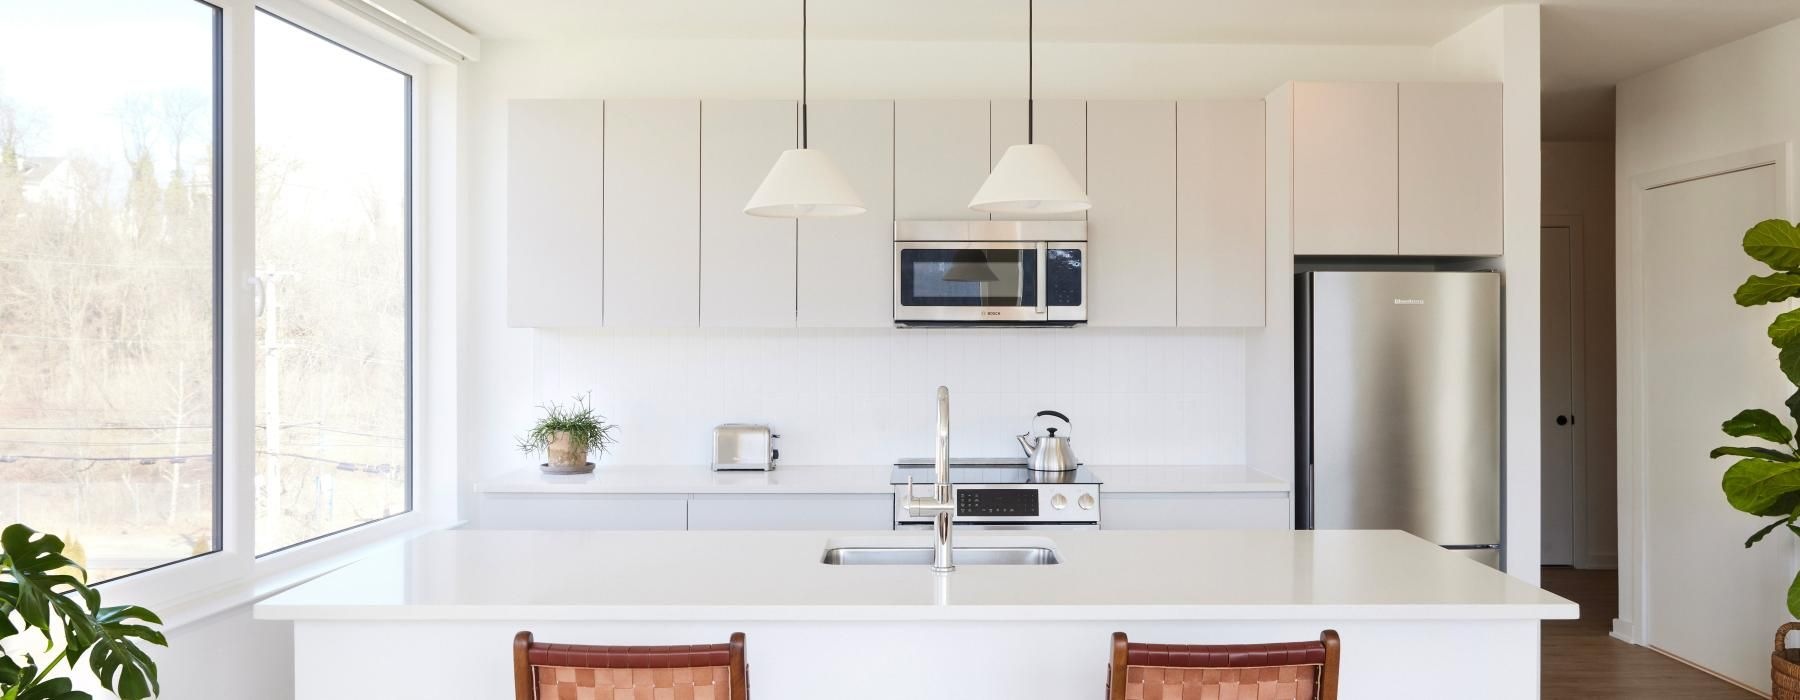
point(1043, 274)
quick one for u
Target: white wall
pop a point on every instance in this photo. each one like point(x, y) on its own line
point(1731, 99)
point(1578, 182)
point(229, 655)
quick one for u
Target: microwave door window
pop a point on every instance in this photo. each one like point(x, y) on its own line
point(968, 277)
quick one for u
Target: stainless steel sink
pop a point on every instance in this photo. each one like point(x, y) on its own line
point(916, 556)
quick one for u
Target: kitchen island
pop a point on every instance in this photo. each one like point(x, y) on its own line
point(435, 617)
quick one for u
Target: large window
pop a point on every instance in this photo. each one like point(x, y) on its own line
point(333, 129)
point(109, 278)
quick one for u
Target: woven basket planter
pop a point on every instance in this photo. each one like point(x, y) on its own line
point(1784, 665)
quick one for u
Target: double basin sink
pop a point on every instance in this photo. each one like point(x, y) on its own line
point(921, 556)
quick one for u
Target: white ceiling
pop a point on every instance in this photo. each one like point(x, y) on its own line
point(1589, 45)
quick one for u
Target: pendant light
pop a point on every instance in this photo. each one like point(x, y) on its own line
point(804, 183)
point(1030, 178)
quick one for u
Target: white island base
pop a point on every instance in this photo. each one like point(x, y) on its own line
point(435, 618)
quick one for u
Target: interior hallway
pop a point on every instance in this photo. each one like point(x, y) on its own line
point(1580, 661)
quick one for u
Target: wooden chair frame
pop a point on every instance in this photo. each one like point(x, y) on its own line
point(1121, 646)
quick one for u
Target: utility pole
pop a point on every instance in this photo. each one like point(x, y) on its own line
point(271, 313)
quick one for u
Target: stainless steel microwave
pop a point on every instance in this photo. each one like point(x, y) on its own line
point(1030, 273)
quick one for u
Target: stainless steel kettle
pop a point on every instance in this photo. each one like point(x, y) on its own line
point(1049, 453)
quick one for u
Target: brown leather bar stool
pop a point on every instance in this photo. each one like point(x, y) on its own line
point(689, 672)
point(1288, 671)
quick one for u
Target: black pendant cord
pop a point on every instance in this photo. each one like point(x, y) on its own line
point(1030, 71)
point(803, 125)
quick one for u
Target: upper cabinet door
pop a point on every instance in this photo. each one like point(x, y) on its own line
point(1131, 229)
point(746, 262)
point(846, 263)
point(554, 152)
point(1219, 181)
point(940, 158)
point(1061, 124)
point(1345, 169)
point(1450, 169)
point(652, 275)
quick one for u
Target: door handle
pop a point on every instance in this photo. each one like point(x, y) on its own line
point(1564, 420)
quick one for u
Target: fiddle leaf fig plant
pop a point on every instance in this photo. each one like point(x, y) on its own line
point(1765, 481)
point(50, 618)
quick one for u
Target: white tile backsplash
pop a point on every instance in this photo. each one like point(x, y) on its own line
point(865, 396)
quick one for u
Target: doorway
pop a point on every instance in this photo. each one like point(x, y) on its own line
point(1561, 347)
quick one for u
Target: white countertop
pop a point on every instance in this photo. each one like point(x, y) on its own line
point(857, 479)
point(709, 576)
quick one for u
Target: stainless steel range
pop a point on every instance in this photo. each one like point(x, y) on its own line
point(1002, 494)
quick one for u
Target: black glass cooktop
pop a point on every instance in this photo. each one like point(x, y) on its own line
point(987, 471)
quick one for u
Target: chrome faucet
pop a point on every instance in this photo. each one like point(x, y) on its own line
point(942, 504)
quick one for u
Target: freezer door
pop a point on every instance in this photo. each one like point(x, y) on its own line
point(1405, 397)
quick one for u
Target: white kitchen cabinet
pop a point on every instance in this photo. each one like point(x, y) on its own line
point(746, 262)
point(1220, 240)
point(1346, 183)
point(940, 158)
point(846, 263)
point(1196, 511)
point(652, 265)
point(1131, 228)
point(1450, 169)
point(554, 212)
point(503, 511)
point(1061, 124)
point(791, 512)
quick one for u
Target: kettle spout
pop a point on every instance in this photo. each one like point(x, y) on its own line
point(1027, 443)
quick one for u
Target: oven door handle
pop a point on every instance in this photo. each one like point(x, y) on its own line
point(1043, 274)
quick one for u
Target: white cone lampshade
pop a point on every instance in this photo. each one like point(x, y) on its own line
point(804, 184)
point(1030, 179)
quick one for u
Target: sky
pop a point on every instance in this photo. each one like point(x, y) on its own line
point(69, 64)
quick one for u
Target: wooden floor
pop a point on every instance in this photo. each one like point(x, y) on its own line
point(1581, 661)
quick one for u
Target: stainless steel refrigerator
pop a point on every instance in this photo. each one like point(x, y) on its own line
point(1399, 405)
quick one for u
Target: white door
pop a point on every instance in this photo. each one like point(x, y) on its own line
point(1707, 599)
point(1557, 346)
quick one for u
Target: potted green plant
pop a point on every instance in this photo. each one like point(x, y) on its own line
point(1765, 481)
point(567, 435)
point(43, 595)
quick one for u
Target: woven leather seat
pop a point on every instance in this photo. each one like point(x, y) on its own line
point(1287, 671)
point(584, 672)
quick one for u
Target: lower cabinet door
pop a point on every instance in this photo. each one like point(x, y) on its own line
point(1196, 511)
point(791, 512)
point(583, 512)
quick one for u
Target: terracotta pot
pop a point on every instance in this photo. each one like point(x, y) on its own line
point(565, 456)
point(1784, 665)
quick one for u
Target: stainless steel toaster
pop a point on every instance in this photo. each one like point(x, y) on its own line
point(744, 447)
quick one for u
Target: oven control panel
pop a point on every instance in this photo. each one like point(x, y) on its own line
point(976, 502)
point(1044, 504)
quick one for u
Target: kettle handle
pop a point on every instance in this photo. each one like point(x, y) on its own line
point(1064, 418)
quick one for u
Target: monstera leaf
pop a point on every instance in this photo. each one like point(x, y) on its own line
point(34, 584)
point(55, 689)
point(1775, 243)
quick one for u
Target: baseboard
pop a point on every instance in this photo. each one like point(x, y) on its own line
point(1598, 561)
point(1624, 631)
point(1707, 671)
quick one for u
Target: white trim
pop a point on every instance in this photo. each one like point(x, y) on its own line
point(1634, 624)
point(421, 28)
